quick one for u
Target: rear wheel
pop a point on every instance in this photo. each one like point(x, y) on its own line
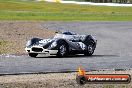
point(62, 50)
point(89, 49)
point(32, 54)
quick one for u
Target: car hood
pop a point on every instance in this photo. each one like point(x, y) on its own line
point(44, 43)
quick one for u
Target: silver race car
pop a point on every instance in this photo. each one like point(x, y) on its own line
point(63, 44)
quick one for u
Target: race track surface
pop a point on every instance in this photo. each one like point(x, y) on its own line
point(114, 50)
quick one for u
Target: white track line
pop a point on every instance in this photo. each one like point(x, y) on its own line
point(91, 3)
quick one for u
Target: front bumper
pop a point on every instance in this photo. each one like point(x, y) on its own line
point(43, 51)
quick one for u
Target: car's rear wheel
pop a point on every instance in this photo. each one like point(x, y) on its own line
point(62, 50)
point(89, 49)
point(33, 54)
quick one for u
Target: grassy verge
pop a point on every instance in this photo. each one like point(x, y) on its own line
point(64, 16)
point(25, 10)
point(3, 44)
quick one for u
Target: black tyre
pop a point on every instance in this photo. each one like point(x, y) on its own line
point(62, 49)
point(33, 54)
point(89, 49)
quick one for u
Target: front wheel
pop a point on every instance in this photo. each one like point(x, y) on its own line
point(89, 50)
point(32, 54)
point(62, 50)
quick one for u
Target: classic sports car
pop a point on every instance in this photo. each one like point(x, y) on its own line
point(62, 45)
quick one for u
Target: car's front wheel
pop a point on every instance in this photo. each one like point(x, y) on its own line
point(62, 50)
point(33, 54)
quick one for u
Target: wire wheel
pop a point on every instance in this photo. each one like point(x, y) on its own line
point(62, 50)
point(89, 50)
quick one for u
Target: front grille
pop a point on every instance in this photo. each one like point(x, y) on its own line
point(37, 49)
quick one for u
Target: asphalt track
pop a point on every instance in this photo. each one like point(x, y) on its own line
point(114, 50)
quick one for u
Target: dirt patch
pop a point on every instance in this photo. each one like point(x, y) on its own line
point(16, 34)
point(55, 80)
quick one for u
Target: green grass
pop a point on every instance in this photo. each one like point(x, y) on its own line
point(31, 10)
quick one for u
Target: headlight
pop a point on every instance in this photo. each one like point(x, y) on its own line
point(54, 44)
point(28, 43)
